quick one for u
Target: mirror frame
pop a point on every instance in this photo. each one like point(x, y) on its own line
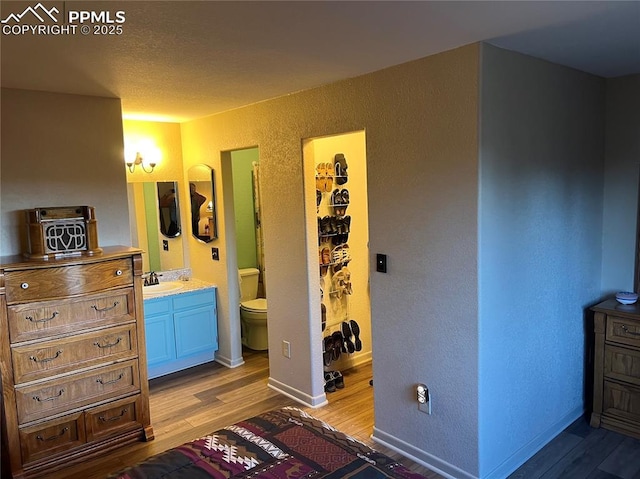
point(202, 194)
point(168, 209)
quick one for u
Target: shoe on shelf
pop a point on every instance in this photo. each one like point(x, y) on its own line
point(356, 332)
point(347, 334)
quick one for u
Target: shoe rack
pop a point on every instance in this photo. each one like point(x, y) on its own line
point(340, 331)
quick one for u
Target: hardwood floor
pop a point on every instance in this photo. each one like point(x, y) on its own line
point(200, 400)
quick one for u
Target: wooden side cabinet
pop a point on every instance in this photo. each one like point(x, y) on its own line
point(616, 389)
point(72, 359)
point(182, 331)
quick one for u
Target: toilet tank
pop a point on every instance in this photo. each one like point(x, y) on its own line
point(249, 283)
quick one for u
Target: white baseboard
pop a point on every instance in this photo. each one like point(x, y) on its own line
point(421, 457)
point(230, 363)
point(296, 395)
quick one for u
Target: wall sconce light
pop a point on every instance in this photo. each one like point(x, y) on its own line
point(138, 161)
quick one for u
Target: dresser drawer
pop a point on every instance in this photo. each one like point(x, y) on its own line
point(621, 401)
point(112, 418)
point(48, 283)
point(77, 390)
point(47, 318)
point(52, 437)
point(623, 330)
point(622, 364)
point(48, 358)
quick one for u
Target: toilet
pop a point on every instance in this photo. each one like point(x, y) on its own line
point(253, 311)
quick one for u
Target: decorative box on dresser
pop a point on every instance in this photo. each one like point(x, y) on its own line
point(72, 358)
point(616, 388)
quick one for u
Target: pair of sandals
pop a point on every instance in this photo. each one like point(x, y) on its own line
point(351, 329)
point(333, 380)
point(342, 283)
point(340, 256)
point(340, 201)
point(324, 177)
point(324, 258)
point(332, 347)
point(340, 169)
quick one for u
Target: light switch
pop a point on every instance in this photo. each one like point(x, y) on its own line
point(381, 263)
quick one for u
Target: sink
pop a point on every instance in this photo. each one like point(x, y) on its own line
point(162, 288)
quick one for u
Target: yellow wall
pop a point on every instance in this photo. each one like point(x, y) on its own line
point(165, 139)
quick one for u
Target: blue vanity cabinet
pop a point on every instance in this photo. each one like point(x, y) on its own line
point(181, 331)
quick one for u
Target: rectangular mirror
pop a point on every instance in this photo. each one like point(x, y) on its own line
point(148, 219)
point(203, 203)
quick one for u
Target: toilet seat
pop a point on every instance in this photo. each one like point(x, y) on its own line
point(258, 305)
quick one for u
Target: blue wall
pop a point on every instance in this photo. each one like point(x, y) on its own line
point(540, 226)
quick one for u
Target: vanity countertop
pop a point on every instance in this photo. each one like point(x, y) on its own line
point(175, 287)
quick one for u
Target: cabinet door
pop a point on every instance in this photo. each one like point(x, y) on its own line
point(159, 339)
point(196, 331)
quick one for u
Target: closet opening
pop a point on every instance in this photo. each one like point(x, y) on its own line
point(338, 243)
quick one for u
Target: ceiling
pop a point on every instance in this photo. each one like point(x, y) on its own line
point(179, 60)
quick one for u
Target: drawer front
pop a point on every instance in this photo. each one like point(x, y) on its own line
point(113, 418)
point(621, 401)
point(623, 330)
point(52, 437)
point(622, 364)
point(197, 298)
point(57, 396)
point(47, 318)
point(37, 284)
point(45, 359)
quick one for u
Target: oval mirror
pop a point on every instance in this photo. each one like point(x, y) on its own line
point(168, 208)
point(203, 203)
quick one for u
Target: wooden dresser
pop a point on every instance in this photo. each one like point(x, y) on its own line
point(72, 358)
point(616, 388)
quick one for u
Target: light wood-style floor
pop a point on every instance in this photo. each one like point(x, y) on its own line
point(200, 400)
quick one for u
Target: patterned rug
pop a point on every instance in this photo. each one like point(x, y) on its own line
point(283, 444)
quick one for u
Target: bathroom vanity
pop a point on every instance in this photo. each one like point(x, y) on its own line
point(72, 358)
point(181, 328)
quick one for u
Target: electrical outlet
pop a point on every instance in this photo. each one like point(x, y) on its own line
point(423, 396)
point(286, 349)
point(165, 245)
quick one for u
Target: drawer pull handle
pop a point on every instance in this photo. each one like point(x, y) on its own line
point(46, 360)
point(52, 398)
point(626, 330)
point(102, 310)
point(108, 345)
point(24, 285)
point(52, 438)
point(104, 383)
point(118, 272)
point(114, 418)
point(45, 320)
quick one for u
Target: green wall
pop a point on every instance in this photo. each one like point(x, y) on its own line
point(241, 161)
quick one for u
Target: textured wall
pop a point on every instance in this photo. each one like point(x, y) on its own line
point(61, 150)
point(541, 161)
point(421, 132)
point(621, 183)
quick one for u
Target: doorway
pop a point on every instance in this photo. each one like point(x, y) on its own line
point(336, 199)
point(245, 173)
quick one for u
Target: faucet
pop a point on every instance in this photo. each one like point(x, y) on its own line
point(151, 279)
